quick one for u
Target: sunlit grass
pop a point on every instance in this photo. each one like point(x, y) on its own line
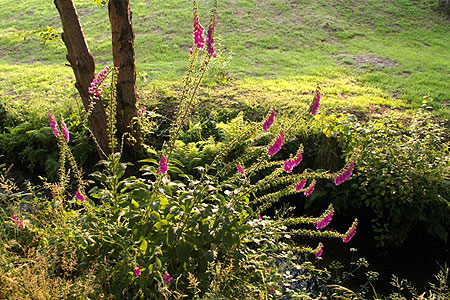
point(28, 92)
point(268, 40)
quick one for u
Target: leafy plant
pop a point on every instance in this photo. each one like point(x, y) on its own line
point(402, 179)
point(169, 234)
point(438, 290)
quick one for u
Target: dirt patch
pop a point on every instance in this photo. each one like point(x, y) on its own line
point(406, 74)
point(375, 111)
point(365, 61)
point(83, 11)
point(446, 103)
point(375, 61)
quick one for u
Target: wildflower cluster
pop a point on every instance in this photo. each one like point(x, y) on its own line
point(195, 72)
point(53, 124)
point(149, 227)
point(17, 221)
point(350, 232)
point(269, 120)
point(210, 36)
point(301, 186)
point(325, 219)
point(229, 195)
point(277, 145)
point(65, 152)
point(314, 107)
point(290, 164)
point(95, 90)
point(198, 33)
point(199, 39)
point(345, 175)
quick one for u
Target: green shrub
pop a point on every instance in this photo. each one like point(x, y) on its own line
point(402, 173)
point(31, 146)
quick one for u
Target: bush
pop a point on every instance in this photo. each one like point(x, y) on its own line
point(30, 146)
point(401, 176)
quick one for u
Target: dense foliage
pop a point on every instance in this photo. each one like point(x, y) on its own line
point(205, 215)
point(403, 175)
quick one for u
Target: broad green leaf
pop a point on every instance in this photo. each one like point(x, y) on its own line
point(143, 246)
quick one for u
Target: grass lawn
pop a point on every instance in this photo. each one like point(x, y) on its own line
point(365, 53)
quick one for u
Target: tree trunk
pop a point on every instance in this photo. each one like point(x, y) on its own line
point(83, 66)
point(124, 60)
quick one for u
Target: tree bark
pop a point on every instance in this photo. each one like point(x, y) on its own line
point(83, 66)
point(124, 60)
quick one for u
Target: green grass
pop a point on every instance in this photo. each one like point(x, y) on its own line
point(294, 94)
point(28, 92)
point(393, 52)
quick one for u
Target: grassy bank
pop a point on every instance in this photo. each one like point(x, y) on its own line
point(399, 48)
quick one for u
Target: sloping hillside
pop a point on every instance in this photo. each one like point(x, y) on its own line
point(400, 46)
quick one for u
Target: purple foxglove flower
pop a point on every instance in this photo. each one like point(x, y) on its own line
point(137, 271)
point(350, 233)
point(210, 36)
point(299, 158)
point(94, 90)
point(301, 185)
point(17, 221)
point(199, 39)
point(240, 170)
point(326, 219)
point(289, 165)
point(310, 189)
point(314, 107)
point(351, 167)
point(53, 124)
point(65, 132)
point(259, 218)
point(338, 179)
point(347, 174)
point(167, 279)
point(79, 196)
point(269, 121)
point(272, 291)
point(163, 167)
point(319, 252)
point(277, 145)
point(349, 236)
point(344, 176)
